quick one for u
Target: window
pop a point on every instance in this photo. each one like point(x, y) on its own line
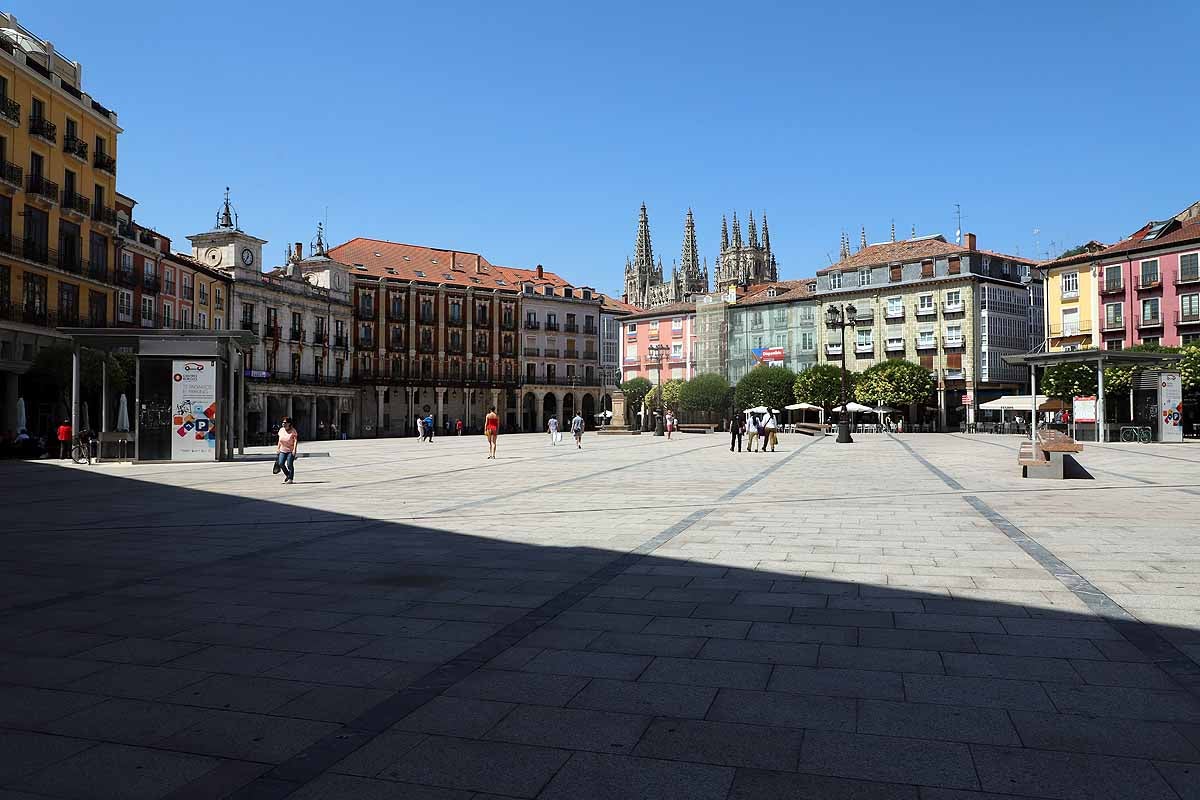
point(126, 262)
point(1189, 267)
point(631, 328)
point(168, 281)
point(864, 277)
point(677, 351)
point(1189, 308)
point(677, 324)
point(925, 337)
point(1070, 284)
point(1151, 340)
point(1114, 344)
point(168, 315)
point(202, 320)
point(835, 280)
point(864, 339)
point(925, 304)
point(1189, 338)
point(631, 352)
point(185, 317)
point(204, 294)
point(147, 312)
point(895, 338)
point(927, 269)
point(218, 323)
point(125, 306)
point(218, 298)
point(1150, 311)
point(37, 109)
point(1150, 273)
point(1114, 315)
point(1112, 278)
point(895, 307)
point(653, 328)
point(1070, 322)
point(953, 336)
point(807, 340)
point(953, 299)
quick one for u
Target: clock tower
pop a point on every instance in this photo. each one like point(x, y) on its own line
point(227, 247)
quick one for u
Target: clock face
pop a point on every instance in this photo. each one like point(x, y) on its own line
point(247, 256)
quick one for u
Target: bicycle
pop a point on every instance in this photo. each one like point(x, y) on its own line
point(1137, 433)
point(81, 451)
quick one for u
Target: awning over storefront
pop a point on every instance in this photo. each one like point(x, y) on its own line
point(1010, 402)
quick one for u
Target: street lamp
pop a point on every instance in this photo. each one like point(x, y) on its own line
point(839, 318)
point(657, 353)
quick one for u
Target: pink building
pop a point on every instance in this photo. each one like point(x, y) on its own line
point(1149, 284)
point(670, 326)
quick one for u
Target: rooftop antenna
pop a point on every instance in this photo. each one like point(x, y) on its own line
point(958, 223)
point(1037, 242)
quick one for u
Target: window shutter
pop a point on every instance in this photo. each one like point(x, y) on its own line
point(895, 276)
point(954, 361)
point(927, 268)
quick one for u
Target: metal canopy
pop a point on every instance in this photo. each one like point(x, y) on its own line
point(110, 338)
point(1112, 357)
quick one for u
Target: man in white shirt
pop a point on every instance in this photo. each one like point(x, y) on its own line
point(552, 427)
point(770, 424)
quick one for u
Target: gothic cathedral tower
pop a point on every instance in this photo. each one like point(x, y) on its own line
point(745, 262)
point(644, 284)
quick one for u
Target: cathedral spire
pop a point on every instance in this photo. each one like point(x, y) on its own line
point(752, 228)
point(844, 251)
point(737, 231)
point(862, 242)
point(693, 279)
point(893, 230)
point(766, 234)
point(724, 233)
point(643, 252)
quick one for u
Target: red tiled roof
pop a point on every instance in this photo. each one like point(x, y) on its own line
point(908, 251)
point(1184, 232)
point(191, 263)
point(668, 310)
point(1093, 249)
point(617, 305)
point(786, 291)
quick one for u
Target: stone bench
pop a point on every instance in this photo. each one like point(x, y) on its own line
point(1051, 456)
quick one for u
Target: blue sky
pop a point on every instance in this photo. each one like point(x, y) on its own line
point(532, 132)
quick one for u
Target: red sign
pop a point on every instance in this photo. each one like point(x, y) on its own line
point(966, 398)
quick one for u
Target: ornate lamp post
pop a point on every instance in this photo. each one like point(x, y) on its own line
point(839, 318)
point(658, 352)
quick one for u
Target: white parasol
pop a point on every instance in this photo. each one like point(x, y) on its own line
point(123, 414)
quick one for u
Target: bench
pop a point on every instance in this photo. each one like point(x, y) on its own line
point(813, 429)
point(1051, 456)
point(695, 427)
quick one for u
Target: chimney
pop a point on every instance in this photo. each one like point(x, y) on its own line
point(299, 251)
point(540, 274)
point(970, 239)
point(478, 265)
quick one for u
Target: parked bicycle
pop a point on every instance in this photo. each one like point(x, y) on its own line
point(84, 447)
point(1137, 433)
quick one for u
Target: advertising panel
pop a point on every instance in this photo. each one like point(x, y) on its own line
point(1170, 405)
point(768, 356)
point(193, 410)
point(1083, 409)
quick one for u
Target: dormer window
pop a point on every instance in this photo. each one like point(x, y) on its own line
point(568, 291)
point(587, 294)
point(548, 290)
point(420, 274)
point(772, 292)
point(528, 288)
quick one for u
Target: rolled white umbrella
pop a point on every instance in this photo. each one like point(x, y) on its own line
point(123, 414)
point(21, 421)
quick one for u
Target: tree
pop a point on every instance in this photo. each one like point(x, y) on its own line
point(49, 377)
point(1189, 367)
point(635, 391)
point(1120, 379)
point(1065, 381)
point(821, 385)
point(894, 382)
point(765, 386)
point(670, 393)
point(706, 394)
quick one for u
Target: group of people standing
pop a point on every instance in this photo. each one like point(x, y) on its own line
point(576, 430)
point(761, 430)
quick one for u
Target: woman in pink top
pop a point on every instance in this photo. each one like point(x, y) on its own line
point(285, 451)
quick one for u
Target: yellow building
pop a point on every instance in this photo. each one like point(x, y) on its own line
point(1072, 300)
point(58, 150)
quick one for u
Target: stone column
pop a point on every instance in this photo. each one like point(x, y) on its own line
point(941, 401)
point(410, 413)
point(540, 408)
point(441, 403)
point(291, 408)
point(11, 396)
point(378, 409)
point(263, 418)
point(312, 418)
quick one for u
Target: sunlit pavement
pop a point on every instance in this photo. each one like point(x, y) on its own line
point(903, 617)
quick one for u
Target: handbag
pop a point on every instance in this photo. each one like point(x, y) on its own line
point(275, 466)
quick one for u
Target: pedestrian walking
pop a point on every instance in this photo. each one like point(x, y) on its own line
point(737, 426)
point(670, 424)
point(420, 428)
point(752, 434)
point(552, 427)
point(770, 424)
point(491, 430)
point(458, 426)
point(577, 430)
point(429, 427)
point(285, 450)
point(64, 439)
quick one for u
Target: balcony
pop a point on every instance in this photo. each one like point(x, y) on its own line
point(482, 321)
point(147, 238)
point(151, 284)
point(893, 314)
point(1187, 277)
point(11, 174)
point(296, 335)
point(169, 288)
point(864, 316)
point(321, 337)
point(1149, 282)
point(929, 343)
point(340, 342)
point(1113, 285)
point(397, 344)
point(33, 250)
point(395, 313)
point(426, 348)
point(105, 162)
point(249, 325)
point(72, 263)
point(590, 330)
point(953, 374)
point(426, 319)
point(925, 311)
point(271, 331)
point(1069, 294)
point(10, 110)
point(98, 270)
point(188, 292)
point(41, 187)
point(551, 326)
point(1154, 321)
point(43, 128)
point(833, 350)
point(75, 203)
point(1113, 324)
point(571, 327)
point(104, 215)
point(74, 146)
point(865, 349)
point(952, 306)
point(1081, 328)
point(550, 353)
point(571, 354)
point(952, 341)
point(456, 322)
point(1187, 317)
point(894, 346)
point(532, 325)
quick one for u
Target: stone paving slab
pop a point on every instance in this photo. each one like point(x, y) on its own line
point(826, 621)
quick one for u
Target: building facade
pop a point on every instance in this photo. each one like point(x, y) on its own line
point(612, 312)
point(1072, 300)
point(773, 325)
point(560, 350)
point(955, 310)
point(672, 330)
point(644, 284)
point(1149, 284)
point(57, 223)
point(745, 262)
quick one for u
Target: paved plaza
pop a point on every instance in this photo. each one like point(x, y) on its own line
point(900, 618)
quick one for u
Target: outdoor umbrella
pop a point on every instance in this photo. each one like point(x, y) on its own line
point(881, 410)
point(757, 410)
point(83, 418)
point(1053, 404)
point(123, 414)
point(21, 422)
point(855, 407)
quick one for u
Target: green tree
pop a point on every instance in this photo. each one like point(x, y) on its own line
point(670, 393)
point(1120, 379)
point(706, 394)
point(1065, 381)
point(894, 382)
point(1189, 367)
point(821, 385)
point(765, 386)
point(635, 391)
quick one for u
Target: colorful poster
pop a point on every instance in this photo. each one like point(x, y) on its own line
point(1170, 403)
point(193, 410)
point(1083, 409)
point(768, 356)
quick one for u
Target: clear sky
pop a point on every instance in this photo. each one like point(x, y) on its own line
point(532, 132)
